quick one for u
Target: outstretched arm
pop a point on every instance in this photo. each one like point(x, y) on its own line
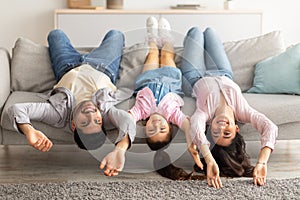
point(115, 160)
point(213, 174)
point(260, 170)
point(269, 132)
point(192, 148)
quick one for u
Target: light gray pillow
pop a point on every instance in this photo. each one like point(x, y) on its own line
point(244, 54)
point(131, 65)
point(31, 67)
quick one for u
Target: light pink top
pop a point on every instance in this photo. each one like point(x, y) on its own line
point(168, 107)
point(207, 91)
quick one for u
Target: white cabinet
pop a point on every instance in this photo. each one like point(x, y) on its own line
point(86, 28)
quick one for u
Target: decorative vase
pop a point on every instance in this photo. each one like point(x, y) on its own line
point(114, 4)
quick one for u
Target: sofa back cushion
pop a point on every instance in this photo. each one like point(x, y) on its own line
point(244, 54)
point(31, 67)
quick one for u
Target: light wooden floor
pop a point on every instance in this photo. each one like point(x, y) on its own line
point(21, 163)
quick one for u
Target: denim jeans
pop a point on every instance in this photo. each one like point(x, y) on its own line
point(105, 58)
point(204, 55)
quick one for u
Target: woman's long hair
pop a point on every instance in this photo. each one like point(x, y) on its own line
point(233, 161)
point(164, 167)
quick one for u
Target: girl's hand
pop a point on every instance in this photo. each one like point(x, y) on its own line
point(195, 155)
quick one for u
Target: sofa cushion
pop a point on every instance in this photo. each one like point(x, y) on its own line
point(31, 67)
point(19, 97)
point(280, 108)
point(131, 65)
point(244, 54)
point(278, 74)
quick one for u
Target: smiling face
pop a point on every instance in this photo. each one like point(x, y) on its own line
point(157, 128)
point(87, 118)
point(223, 129)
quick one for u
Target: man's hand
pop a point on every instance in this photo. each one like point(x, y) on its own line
point(195, 155)
point(114, 162)
point(36, 138)
point(260, 174)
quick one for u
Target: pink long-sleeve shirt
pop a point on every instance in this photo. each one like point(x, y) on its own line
point(168, 107)
point(207, 92)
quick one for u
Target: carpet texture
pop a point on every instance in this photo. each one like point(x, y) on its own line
point(162, 189)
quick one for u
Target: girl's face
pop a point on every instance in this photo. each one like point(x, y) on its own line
point(157, 128)
point(223, 129)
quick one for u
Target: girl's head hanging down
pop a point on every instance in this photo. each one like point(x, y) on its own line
point(158, 132)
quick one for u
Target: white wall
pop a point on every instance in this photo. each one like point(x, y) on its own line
point(33, 19)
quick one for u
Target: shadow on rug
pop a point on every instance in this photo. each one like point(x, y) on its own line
point(232, 189)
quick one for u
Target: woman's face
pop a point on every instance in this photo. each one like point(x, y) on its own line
point(157, 128)
point(223, 129)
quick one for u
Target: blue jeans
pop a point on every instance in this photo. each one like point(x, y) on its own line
point(160, 81)
point(105, 58)
point(204, 55)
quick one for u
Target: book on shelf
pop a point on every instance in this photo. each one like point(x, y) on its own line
point(188, 6)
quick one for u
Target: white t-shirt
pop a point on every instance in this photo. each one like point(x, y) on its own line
point(84, 81)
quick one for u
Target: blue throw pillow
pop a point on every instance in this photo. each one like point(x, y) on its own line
point(278, 74)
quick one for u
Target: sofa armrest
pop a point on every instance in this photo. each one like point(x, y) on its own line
point(4, 76)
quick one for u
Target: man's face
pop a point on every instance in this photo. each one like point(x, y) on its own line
point(157, 128)
point(87, 117)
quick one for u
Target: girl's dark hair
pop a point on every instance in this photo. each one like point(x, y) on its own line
point(155, 146)
point(233, 161)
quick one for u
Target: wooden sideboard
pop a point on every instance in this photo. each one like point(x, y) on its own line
point(86, 28)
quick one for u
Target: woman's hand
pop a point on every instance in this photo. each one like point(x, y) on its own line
point(260, 170)
point(260, 174)
point(213, 174)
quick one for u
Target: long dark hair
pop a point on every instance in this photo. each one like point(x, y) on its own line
point(163, 166)
point(233, 161)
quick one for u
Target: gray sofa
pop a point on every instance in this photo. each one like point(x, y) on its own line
point(26, 76)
